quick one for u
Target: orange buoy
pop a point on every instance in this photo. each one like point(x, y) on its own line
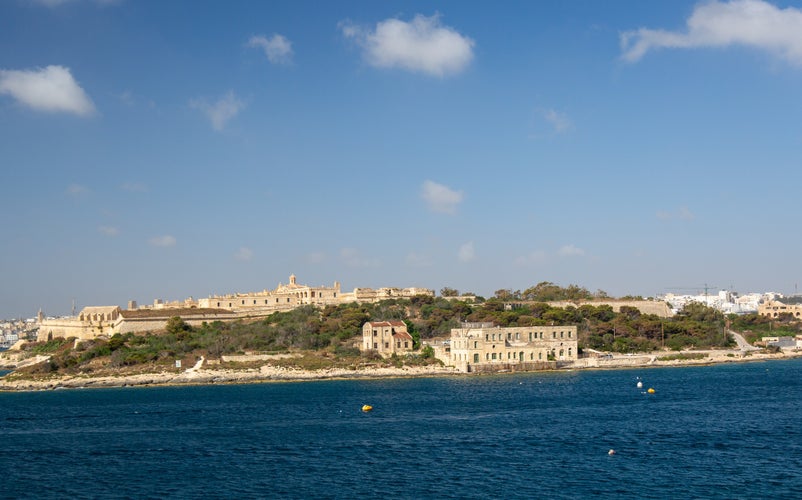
point(366, 407)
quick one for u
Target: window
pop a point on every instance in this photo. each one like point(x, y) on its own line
point(254, 301)
point(386, 345)
point(398, 344)
point(540, 355)
point(517, 336)
point(530, 336)
point(375, 345)
point(569, 334)
point(541, 335)
point(265, 301)
point(494, 355)
point(242, 302)
point(554, 335)
point(487, 337)
point(374, 333)
point(562, 335)
point(406, 344)
point(476, 358)
point(475, 344)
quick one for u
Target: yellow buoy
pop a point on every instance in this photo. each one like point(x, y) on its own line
point(650, 391)
point(366, 407)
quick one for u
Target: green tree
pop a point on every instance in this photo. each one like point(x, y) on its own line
point(449, 292)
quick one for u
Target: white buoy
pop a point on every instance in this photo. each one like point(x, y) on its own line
point(640, 384)
point(611, 452)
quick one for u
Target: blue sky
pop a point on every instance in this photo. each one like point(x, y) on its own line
point(157, 149)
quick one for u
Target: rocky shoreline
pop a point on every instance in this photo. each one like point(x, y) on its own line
point(198, 375)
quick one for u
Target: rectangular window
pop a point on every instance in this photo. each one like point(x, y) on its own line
point(375, 345)
point(375, 333)
point(386, 345)
point(406, 344)
point(494, 355)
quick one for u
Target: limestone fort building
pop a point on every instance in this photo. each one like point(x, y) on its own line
point(104, 321)
point(485, 347)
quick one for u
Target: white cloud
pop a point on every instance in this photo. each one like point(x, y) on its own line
point(750, 23)
point(351, 258)
point(421, 45)
point(244, 254)
point(51, 89)
point(558, 120)
point(277, 48)
point(570, 251)
point(77, 190)
point(163, 241)
point(440, 198)
point(466, 252)
point(683, 213)
point(108, 230)
point(219, 113)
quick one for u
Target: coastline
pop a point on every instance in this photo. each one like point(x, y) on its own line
point(197, 375)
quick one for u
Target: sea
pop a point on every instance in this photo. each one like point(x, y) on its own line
point(730, 431)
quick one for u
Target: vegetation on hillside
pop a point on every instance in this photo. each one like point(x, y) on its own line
point(331, 335)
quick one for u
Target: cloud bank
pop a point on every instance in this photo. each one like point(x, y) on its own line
point(277, 48)
point(440, 198)
point(422, 45)
point(749, 23)
point(51, 89)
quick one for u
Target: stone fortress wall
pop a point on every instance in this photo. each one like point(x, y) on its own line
point(104, 321)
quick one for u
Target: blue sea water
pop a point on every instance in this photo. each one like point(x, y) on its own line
point(727, 431)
